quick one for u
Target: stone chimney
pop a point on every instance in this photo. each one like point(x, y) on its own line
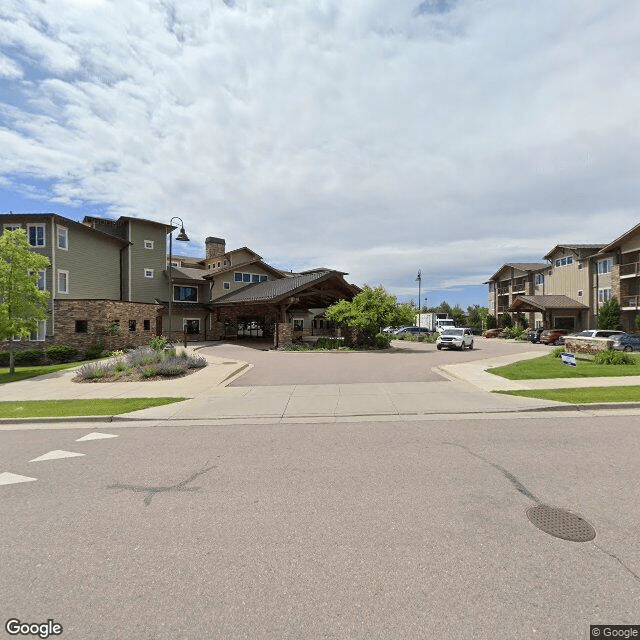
point(214, 247)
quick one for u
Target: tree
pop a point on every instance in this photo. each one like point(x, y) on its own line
point(609, 315)
point(370, 311)
point(505, 320)
point(478, 316)
point(22, 304)
point(457, 314)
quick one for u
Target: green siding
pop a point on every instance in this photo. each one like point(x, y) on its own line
point(93, 264)
point(147, 289)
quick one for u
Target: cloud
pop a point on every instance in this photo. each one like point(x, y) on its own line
point(374, 137)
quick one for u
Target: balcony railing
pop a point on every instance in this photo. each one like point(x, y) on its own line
point(630, 269)
point(632, 302)
point(503, 291)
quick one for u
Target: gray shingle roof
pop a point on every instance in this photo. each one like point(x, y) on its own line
point(188, 273)
point(271, 290)
point(520, 266)
point(550, 302)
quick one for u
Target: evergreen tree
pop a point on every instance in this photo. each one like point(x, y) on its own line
point(609, 315)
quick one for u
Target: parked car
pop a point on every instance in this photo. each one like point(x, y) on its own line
point(492, 333)
point(533, 335)
point(411, 331)
point(599, 333)
point(552, 336)
point(625, 342)
point(457, 338)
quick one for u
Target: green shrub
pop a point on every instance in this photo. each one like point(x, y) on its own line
point(4, 358)
point(408, 338)
point(196, 362)
point(329, 343)
point(173, 366)
point(382, 340)
point(94, 351)
point(158, 343)
point(148, 372)
point(113, 329)
point(143, 356)
point(428, 337)
point(613, 357)
point(61, 353)
point(557, 352)
point(120, 367)
point(29, 356)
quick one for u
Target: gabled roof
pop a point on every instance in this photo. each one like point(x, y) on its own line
point(612, 246)
point(187, 273)
point(275, 290)
point(125, 218)
point(210, 275)
point(25, 217)
point(581, 250)
point(546, 303)
point(524, 267)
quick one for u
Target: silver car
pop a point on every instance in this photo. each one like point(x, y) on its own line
point(457, 338)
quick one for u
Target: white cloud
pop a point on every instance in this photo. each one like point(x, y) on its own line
point(373, 137)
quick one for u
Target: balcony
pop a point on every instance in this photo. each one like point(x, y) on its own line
point(630, 270)
point(503, 291)
point(629, 303)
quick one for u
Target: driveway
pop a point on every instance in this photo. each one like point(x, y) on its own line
point(406, 362)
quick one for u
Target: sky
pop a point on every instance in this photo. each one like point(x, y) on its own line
point(377, 138)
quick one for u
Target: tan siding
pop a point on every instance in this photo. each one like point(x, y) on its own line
point(229, 276)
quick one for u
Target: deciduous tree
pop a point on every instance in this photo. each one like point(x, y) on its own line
point(22, 304)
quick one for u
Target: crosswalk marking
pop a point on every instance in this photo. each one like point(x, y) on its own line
point(56, 455)
point(95, 436)
point(13, 478)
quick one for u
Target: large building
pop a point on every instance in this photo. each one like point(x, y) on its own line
point(109, 281)
point(567, 290)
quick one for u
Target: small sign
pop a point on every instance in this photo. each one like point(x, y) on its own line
point(569, 359)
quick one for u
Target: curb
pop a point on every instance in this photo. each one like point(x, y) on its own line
point(560, 407)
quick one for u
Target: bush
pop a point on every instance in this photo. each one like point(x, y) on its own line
point(173, 366)
point(143, 356)
point(613, 357)
point(94, 351)
point(557, 352)
point(197, 362)
point(329, 343)
point(158, 343)
point(94, 370)
point(61, 353)
point(148, 372)
point(382, 340)
point(4, 358)
point(29, 356)
point(120, 367)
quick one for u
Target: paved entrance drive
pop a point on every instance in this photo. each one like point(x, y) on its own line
point(408, 362)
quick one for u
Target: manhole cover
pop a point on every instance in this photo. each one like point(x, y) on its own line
point(561, 523)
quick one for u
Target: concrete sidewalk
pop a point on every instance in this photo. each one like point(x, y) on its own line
point(466, 392)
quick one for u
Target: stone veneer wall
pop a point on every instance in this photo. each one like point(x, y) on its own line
point(99, 314)
point(579, 344)
point(615, 282)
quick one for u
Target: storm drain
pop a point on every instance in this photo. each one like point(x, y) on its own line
point(561, 523)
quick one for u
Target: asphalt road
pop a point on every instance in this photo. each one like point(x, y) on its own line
point(354, 530)
point(408, 362)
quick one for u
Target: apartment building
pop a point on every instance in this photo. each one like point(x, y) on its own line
point(567, 290)
point(109, 280)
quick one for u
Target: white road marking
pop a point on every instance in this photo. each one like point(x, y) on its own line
point(13, 478)
point(55, 455)
point(95, 436)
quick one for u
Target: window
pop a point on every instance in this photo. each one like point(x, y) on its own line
point(63, 238)
point(192, 325)
point(255, 278)
point(147, 325)
point(35, 234)
point(11, 227)
point(40, 333)
point(580, 264)
point(246, 277)
point(132, 325)
point(604, 266)
point(569, 259)
point(298, 324)
point(263, 278)
point(82, 326)
point(539, 278)
point(563, 262)
point(580, 293)
point(557, 263)
point(148, 244)
point(226, 285)
point(175, 264)
point(226, 263)
point(604, 295)
point(185, 294)
point(63, 281)
point(218, 264)
point(148, 273)
point(237, 277)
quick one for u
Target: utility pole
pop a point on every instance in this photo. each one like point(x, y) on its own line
point(419, 279)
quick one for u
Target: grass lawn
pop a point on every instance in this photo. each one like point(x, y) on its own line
point(550, 367)
point(23, 373)
point(583, 395)
point(94, 407)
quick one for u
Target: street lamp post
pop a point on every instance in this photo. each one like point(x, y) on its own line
point(419, 279)
point(182, 237)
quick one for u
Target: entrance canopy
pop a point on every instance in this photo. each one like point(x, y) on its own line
point(542, 304)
